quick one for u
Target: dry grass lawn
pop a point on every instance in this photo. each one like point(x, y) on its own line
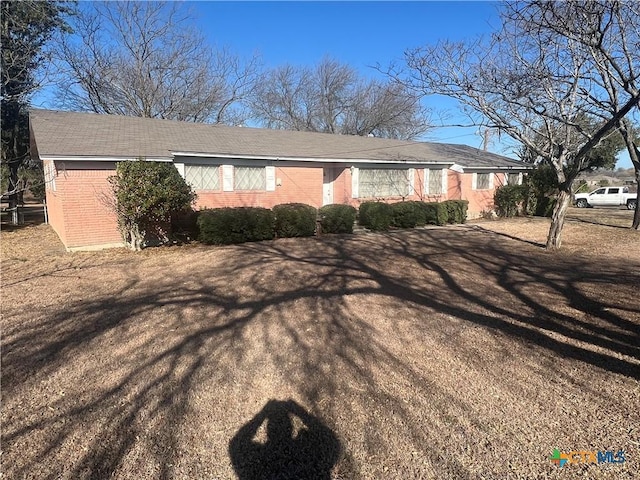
point(464, 352)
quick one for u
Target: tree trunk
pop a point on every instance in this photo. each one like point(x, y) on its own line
point(554, 239)
point(14, 165)
point(636, 215)
point(634, 155)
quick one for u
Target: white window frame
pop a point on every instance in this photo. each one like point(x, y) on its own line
point(199, 186)
point(356, 187)
point(50, 176)
point(427, 177)
point(474, 181)
point(506, 178)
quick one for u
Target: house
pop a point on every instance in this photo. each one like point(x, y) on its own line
point(239, 166)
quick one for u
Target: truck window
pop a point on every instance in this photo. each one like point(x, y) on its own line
point(625, 189)
point(614, 190)
point(600, 191)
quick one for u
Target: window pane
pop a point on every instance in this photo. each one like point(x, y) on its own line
point(435, 181)
point(382, 183)
point(249, 178)
point(513, 178)
point(202, 177)
point(483, 181)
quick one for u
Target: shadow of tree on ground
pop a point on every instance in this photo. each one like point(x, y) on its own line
point(427, 352)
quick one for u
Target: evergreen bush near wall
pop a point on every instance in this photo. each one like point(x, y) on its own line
point(509, 200)
point(408, 214)
point(337, 218)
point(224, 226)
point(146, 195)
point(456, 210)
point(544, 206)
point(434, 213)
point(375, 216)
point(295, 220)
point(184, 224)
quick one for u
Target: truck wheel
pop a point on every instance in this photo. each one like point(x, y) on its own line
point(632, 204)
point(582, 203)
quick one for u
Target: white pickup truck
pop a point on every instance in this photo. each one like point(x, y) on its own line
point(607, 197)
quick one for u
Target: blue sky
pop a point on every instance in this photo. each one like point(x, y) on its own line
point(360, 33)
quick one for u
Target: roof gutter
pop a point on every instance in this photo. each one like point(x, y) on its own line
point(92, 158)
point(273, 158)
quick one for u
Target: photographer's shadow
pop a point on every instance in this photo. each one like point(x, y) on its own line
point(294, 449)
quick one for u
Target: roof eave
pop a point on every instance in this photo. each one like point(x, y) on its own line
point(101, 158)
point(279, 158)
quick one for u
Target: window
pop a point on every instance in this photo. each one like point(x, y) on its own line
point(434, 183)
point(250, 178)
point(375, 182)
point(203, 177)
point(50, 176)
point(513, 179)
point(614, 190)
point(483, 181)
point(600, 191)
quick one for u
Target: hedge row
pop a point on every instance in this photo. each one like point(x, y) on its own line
point(516, 200)
point(224, 226)
point(380, 216)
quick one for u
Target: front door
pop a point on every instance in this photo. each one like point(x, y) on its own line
point(329, 175)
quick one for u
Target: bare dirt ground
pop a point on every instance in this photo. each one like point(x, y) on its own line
point(459, 352)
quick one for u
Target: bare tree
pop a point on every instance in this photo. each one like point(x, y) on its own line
point(146, 59)
point(610, 33)
point(333, 98)
point(27, 29)
point(531, 82)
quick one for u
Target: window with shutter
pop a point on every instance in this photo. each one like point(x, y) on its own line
point(483, 181)
point(203, 177)
point(249, 178)
point(374, 182)
point(433, 180)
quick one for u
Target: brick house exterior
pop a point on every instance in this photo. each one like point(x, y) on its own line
point(238, 166)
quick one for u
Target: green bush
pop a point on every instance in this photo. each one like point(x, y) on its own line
point(295, 220)
point(509, 200)
point(408, 214)
point(456, 210)
point(434, 213)
point(544, 206)
point(375, 216)
point(337, 218)
point(184, 224)
point(224, 226)
point(146, 195)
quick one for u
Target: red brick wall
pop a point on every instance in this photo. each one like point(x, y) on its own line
point(293, 184)
point(82, 196)
point(479, 200)
point(54, 199)
point(79, 211)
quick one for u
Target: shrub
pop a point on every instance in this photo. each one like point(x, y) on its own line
point(295, 220)
point(408, 214)
point(375, 215)
point(434, 213)
point(544, 206)
point(456, 210)
point(224, 226)
point(184, 224)
point(146, 194)
point(509, 200)
point(337, 218)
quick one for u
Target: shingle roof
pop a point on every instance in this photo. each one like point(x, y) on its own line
point(73, 134)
